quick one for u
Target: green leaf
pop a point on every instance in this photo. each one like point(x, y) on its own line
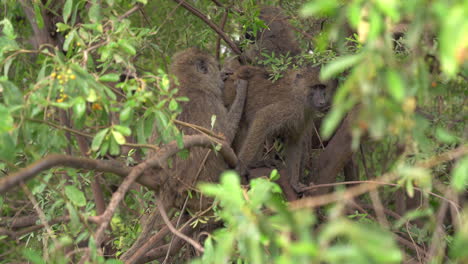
point(79, 107)
point(445, 136)
point(119, 138)
point(69, 39)
point(319, 7)
point(460, 175)
point(274, 175)
point(74, 217)
point(459, 245)
point(97, 140)
point(7, 146)
point(330, 123)
point(340, 65)
point(38, 14)
point(173, 105)
point(123, 129)
point(110, 77)
point(8, 29)
point(67, 8)
point(390, 8)
point(453, 21)
point(61, 27)
point(395, 86)
point(126, 46)
point(11, 94)
point(213, 121)
point(75, 195)
point(33, 256)
point(95, 12)
point(6, 121)
point(92, 96)
point(126, 114)
point(114, 148)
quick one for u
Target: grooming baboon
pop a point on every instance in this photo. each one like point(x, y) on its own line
point(278, 37)
point(199, 79)
point(285, 107)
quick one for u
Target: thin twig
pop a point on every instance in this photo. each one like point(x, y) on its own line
point(212, 25)
point(366, 186)
point(218, 39)
point(176, 232)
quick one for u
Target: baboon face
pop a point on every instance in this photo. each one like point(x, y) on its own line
point(197, 67)
point(318, 93)
point(319, 97)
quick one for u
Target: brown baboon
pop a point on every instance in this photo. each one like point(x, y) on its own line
point(278, 37)
point(285, 107)
point(199, 79)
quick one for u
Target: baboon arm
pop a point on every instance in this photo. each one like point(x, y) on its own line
point(295, 150)
point(235, 112)
point(267, 121)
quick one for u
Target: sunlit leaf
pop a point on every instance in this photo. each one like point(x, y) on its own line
point(67, 8)
point(119, 138)
point(75, 195)
point(460, 175)
point(339, 65)
point(395, 86)
point(6, 120)
point(79, 108)
point(110, 77)
point(319, 7)
point(126, 46)
point(445, 136)
point(97, 140)
point(123, 129)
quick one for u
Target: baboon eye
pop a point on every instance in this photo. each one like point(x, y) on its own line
point(202, 66)
point(318, 87)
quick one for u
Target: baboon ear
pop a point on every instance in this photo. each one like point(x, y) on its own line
point(202, 65)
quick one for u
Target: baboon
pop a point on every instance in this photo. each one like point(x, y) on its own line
point(199, 79)
point(285, 107)
point(278, 37)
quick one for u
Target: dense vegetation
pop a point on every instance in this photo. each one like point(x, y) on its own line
point(89, 79)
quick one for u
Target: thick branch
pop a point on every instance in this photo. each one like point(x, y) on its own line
point(56, 160)
point(210, 23)
point(155, 162)
point(352, 192)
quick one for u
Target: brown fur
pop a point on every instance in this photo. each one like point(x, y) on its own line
point(199, 79)
point(284, 107)
point(278, 37)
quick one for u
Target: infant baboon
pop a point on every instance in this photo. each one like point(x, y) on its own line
point(278, 37)
point(285, 107)
point(199, 79)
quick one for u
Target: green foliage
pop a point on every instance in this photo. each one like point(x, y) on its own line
point(259, 228)
point(106, 81)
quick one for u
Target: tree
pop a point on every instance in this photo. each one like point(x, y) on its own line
point(87, 80)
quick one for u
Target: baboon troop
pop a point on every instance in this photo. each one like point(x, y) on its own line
point(284, 108)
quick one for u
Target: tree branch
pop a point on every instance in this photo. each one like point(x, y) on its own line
point(55, 160)
point(210, 23)
point(155, 162)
